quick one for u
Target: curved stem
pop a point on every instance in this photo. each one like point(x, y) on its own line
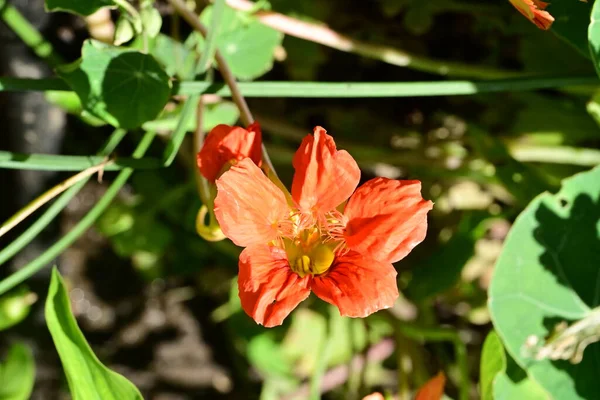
point(49, 195)
point(57, 206)
point(44, 259)
point(322, 34)
point(245, 115)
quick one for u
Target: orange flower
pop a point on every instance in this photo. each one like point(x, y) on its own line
point(433, 389)
point(533, 10)
point(226, 145)
point(312, 240)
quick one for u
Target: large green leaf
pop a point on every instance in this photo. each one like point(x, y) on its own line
point(81, 7)
point(501, 377)
point(17, 374)
point(594, 36)
point(571, 20)
point(123, 87)
point(548, 273)
point(247, 45)
point(88, 378)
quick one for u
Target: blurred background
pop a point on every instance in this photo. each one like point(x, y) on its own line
point(159, 304)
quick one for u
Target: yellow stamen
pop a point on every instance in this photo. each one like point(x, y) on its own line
point(316, 261)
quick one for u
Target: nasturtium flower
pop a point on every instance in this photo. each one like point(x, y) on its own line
point(326, 236)
point(225, 145)
point(533, 10)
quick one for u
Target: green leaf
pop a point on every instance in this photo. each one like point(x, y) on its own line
point(247, 45)
point(17, 374)
point(15, 306)
point(176, 58)
point(594, 36)
point(151, 20)
point(81, 7)
point(442, 269)
point(219, 113)
point(501, 377)
point(571, 20)
point(123, 87)
point(124, 31)
point(88, 378)
point(547, 274)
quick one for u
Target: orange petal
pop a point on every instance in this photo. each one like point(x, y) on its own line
point(325, 177)
point(357, 285)
point(533, 11)
point(433, 389)
point(269, 289)
point(228, 143)
point(248, 205)
point(386, 218)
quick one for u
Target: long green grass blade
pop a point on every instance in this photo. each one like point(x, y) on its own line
point(210, 45)
point(57, 206)
point(180, 130)
point(341, 89)
point(44, 259)
point(53, 162)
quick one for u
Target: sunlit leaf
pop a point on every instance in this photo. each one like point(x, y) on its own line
point(247, 45)
point(81, 7)
point(547, 274)
point(15, 306)
point(124, 87)
point(88, 378)
point(17, 373)
point(501, 377)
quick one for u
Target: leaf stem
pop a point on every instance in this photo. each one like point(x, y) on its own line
point(49, 195)
point(57, 206)
point(45, 258)
point(245, 115)
point(322, 34)
point(28, 34)
point(439, 335)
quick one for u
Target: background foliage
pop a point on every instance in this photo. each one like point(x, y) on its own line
point(498, 119)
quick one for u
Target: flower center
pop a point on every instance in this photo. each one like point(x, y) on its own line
point(309, 256)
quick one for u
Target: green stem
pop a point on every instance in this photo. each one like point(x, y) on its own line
point(55, 162)
point(335, 89)
point(57, 206)
point(49, 195)
point(439, 335)
point(40, 262)
point(180, 131)
point(28, 34)
point(555, 154)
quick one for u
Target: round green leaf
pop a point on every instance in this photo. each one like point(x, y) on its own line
point(123, 87)
point(548, 273)
point(247, 45)
point(81, 7)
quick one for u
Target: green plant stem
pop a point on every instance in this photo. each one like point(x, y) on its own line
point(28, 34)
point(440, 335)
point(51, 253)
point(335, 89)
point(26, 237)
point(180, 131)
point(555, 154)
point(49, 195)
point(52, 162)
point(322, 34)
point(210, 46)
point(245, 115)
